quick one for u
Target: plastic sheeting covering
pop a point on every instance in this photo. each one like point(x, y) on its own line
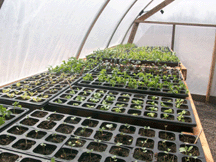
point(129, 18)
point(152, 37)
point(105, 25)
point(38, 33)
point(193, 45)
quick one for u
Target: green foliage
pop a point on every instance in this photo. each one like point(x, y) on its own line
point(73, 65)
point(130, 51)
point(4, 113)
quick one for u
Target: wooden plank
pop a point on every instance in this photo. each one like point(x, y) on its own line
point(173, 37)
point(184, 71)
point(133, 22)
point(155, 9)
point(175, 23)
point(212, 69)
point(197, 129)
point(1, 2)
point(145, 16)
point(133, 33)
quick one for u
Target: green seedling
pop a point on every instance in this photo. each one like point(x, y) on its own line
point(110, 98)
point(138, 102)
point(151, 114)
point(101, 130)
point(43, 145)
point(72, 92)
point(80, 98)
point(117, 109)
point(186, 150)
point(179, 102)
point(89, 106)
point(94, 100)
point(168, 111)
point(58, 101)
point(109, 126)
point(138, 107)
point(165, 116)
point(67, 96)
point(37, 99)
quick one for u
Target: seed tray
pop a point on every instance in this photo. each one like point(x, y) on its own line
point(104, 154)
point(18, 157)
point(44, 95)
point(51, 84)
point(16, 113)
point(132, 105)
point(27, 136)
point(135, 86)
point(138, 62)
point(137, 133)
point(135, 69)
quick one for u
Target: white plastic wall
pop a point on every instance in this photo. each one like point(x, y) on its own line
point(38, 33)
point(105, 25)
point(193, 45)
point(152, 37)
point(129, 18)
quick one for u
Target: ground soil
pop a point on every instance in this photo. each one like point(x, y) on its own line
point(207, 113)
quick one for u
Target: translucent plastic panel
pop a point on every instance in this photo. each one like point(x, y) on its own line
point(129, 18)
point(198, 11)
point(153, 35)
point(105, 25)
point(38, 33)
point(194, 47)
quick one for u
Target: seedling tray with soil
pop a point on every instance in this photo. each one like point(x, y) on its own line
point(134, 55)
point(53, 84)
point(9, 114)
point(50, 134)
point(163, 71)
point(137, 106)
point(40, 95)
point(11, 156)
point(139, 83)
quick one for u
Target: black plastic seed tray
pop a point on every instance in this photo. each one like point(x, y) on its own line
point(37, 138)
point(164, 72)
point(39, 96)
point(106, 152)
point(133, 137)
point(138, 106)
point(164, 91)
point(6, 155)
point(138, 62)
point(141, 62)
point(16, 113)
point(53, 84)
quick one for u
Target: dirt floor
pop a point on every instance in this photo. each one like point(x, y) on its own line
point(207, 115)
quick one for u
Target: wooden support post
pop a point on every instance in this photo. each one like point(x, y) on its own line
point(1, 2)
point(184, 71)
point(146, 16)
point(155, 9)
point(212, 69)
point(133, 33)
point(173, 37)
